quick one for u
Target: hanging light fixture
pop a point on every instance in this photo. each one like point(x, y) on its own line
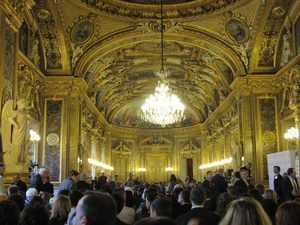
point(162, 108)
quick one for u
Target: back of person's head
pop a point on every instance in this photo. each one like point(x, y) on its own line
point(96, 209)
point(177, 190)
point(30, 193)
point(288, 213)
point(256, 195)
point(261, 188)
point(75, 196)
point(19, 200)
point(61, 207)
point(194, 221)
point(223, 201)
point(129, 199)
point(245, 211)
point(64, 192)
point(12, 190)
point(270, 194)
point(161, 207)
point(45, 196)
point(37, 201)
point(9, 213)
point(73, 173)
point(119, 202)
point(185, 195)
point(155, 221)
point(197, 196)
point(34, 216)
point(237, 174)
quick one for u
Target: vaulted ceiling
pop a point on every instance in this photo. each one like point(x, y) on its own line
point(114, 45)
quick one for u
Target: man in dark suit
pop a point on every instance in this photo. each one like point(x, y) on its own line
point(278, 183)
point(198, 211)
point(290, 186)
point(37, 181)
point(219, 182)
point(240, 186)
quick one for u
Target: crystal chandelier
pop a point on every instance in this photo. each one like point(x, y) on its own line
point(162, 108)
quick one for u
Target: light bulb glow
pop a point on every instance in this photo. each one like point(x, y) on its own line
point(216, 163)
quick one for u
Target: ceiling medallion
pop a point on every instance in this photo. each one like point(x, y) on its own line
point(163, 108)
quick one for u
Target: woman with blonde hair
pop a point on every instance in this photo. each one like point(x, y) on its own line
point(246, 211)
point(61, 207)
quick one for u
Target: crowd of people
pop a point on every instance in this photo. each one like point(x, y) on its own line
point(214, 200)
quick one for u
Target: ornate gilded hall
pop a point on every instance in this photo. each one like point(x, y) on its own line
point(75, 74)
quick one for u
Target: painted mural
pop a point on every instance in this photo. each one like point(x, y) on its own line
point(267, 115)
point(53, 138)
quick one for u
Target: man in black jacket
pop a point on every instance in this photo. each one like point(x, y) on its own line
point(198, 211)
point(219, 182)
point(278, 183)
point(240, 186)
point(37, 181)
point(290, 186)
point(18, 181)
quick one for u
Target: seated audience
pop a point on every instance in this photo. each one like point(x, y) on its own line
point(61, 206)
point(34, 216)
point(198, 211)
point(245, 211)
point(222, 203)
point(30, 193)
point(75, 196)
point(288, 213)
point(9, 213)
point(101, 203)
point(161, 207)
point(156, 221)
point(185, 203)
point(269, 204)
point(12, 190)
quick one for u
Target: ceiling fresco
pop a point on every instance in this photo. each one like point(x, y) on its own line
point(114, 45)
point(121, 80)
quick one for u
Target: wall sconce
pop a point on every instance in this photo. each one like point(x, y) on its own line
point(141, 169)
point(169, 169)
point(291, 133)
point(34, 136)
point(216, 163)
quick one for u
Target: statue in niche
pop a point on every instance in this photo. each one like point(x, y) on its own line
point(77, 51)
point(35, 57)
point(236, 154)
point(14, 122)
point(286, 49)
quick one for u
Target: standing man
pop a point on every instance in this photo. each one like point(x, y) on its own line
point(101, 180)
point(278, 183)
point(250, 178)
point(207, 185)
point(37, 181)
point(2, 170)
point(71, 182)
point(219, 181)
point(290, 186)
point(240, 186)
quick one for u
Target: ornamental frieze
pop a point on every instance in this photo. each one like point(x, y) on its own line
point(146, 11)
